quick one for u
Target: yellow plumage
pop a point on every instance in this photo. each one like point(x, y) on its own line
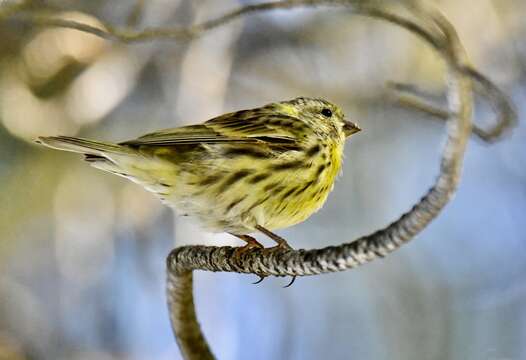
point(265, 168)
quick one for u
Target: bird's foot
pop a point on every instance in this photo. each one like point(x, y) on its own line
point(250, 245)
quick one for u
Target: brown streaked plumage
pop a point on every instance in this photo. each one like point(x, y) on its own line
point(266, 168)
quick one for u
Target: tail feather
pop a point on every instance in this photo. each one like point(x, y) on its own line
point(121, 160)
point(82, 146)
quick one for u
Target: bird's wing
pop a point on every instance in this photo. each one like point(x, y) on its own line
point(249, 127)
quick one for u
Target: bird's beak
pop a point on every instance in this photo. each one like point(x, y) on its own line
point(350, 128)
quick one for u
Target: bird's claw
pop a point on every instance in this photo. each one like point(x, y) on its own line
point(261, 278)
point(290, 283)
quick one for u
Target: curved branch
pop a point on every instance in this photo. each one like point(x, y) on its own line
point(129, 35)
point(502, 106)
point(183, 260)
point(409, 96)
point(500, 103)
point(183, 318)
point(380, 243)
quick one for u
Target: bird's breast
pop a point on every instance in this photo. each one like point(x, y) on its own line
point(299, 196)
point(243, 191)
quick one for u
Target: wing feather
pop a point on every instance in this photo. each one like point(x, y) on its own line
point(248, 127)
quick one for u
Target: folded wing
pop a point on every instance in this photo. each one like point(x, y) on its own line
point(243, 127)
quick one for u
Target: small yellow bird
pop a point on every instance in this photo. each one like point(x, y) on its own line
point(251, 170)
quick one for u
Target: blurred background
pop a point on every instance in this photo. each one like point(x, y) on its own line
point(82, 252)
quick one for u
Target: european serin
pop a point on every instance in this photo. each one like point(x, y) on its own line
point(251, 170)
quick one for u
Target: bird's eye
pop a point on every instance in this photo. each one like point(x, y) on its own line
point(326, 112)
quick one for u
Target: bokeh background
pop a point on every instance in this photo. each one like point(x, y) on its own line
point(82, 252)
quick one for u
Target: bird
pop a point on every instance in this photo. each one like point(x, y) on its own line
point(244, 172)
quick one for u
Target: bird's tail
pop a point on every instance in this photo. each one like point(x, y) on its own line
point(120, 160)
point(102, 155)
point(83, 146)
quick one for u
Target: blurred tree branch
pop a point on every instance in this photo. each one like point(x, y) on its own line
point(407, 95)
point(410, 96)
point(429, 25)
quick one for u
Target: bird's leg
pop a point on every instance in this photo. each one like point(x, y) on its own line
point(251, 243)
point(282, 243)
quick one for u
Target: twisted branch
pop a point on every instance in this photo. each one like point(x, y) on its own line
point(430, 26)
point(410, 96)
point(182, 261)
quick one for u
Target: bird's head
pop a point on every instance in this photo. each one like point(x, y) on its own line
point(327, 119)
